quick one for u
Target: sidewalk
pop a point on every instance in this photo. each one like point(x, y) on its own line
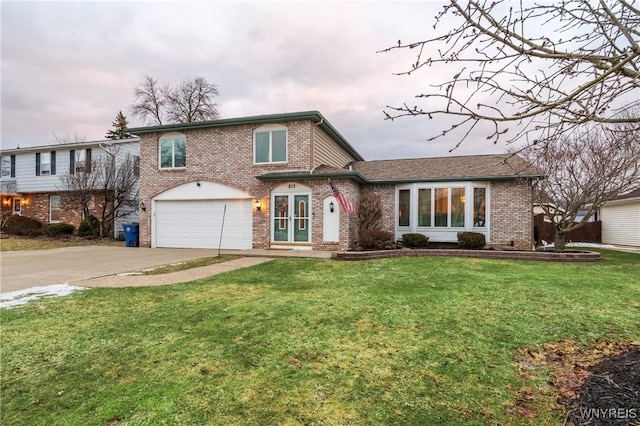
point(119, 280)
point(249, 258)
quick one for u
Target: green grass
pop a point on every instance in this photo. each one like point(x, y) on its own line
point(306, 341)
point(45, 243)
point(189, 264)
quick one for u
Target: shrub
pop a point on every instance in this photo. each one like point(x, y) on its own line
point(56, 229)
point(415, 240)
point(369, 212)
point(376, 239)
point(89, 227)
point(471, 240)
point(22, 225)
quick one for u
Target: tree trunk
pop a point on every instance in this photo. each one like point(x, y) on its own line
point(560, 242)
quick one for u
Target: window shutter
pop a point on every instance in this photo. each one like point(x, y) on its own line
point(53, 162)
point(13, 166)
point(87, 161)
point(37, 164)
point(72, 162)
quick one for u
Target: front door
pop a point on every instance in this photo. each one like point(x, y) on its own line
point(290, 219)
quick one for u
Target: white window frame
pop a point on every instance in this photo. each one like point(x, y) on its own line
point(5, 166)
point(468, 207)
point(173, 137)
point(270, 129)
point(51, 197)
point(43, 171)
point(80, 160)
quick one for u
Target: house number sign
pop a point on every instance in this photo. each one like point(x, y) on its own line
point(292, 185)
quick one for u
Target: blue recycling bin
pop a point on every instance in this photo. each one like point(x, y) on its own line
point(131, 235)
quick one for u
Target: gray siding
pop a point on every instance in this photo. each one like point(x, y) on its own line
point(26, 179)
point(326, 151)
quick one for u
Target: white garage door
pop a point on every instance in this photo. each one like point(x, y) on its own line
point(198, 223)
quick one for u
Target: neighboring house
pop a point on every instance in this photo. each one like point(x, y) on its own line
point(537, 209)
point(621, 220)
point(31, 184)
point(263, 182)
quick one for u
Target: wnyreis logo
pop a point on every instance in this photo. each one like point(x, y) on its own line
point(609, 413)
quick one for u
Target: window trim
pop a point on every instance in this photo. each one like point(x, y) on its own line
point(173, 137)
point(51, 163)
point(51, 208)
point(11, 160)
point(469, 188)
point(270, 128)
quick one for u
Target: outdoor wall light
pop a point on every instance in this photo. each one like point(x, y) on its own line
point(331, 207)
point(143, 207)
point(198, 184)
point(258, 206)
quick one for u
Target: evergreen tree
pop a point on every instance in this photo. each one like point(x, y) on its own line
point(119, 130)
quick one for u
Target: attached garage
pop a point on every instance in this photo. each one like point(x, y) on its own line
point(192, 216)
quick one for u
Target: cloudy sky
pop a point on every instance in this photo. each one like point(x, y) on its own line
point(69, 67)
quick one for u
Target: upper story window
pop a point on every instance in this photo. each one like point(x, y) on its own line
point(173, 151)
point(80, 161)
point(45, 163)
point(270, 145)
point(8, 166)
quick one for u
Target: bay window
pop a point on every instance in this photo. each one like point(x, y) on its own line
point(444, 207)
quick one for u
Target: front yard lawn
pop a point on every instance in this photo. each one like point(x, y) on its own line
point(13, 243)
point(307, 341)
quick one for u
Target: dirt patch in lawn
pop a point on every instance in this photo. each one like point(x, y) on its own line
point(593, 386)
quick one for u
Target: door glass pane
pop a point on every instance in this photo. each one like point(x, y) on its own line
point(281, 218)
point(279, 145)
point(180, 153)
point(262, 147)
point(301, 228)
point(424, 207)
point(441, 206)
point(404, 201)
point(479, 206)
point(166, 153)
point(457, 207)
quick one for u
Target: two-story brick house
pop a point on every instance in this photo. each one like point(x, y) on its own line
point(31, 184)
point(263, 182)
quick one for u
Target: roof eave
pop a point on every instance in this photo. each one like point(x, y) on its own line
point(298, 176)
point(454, 179)
point(315, 116)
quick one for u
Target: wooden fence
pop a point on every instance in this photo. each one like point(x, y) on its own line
point(590, 232)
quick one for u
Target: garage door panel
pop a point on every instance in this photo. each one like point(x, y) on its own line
point(197, 224)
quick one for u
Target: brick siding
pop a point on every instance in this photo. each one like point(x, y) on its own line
point(511, 214)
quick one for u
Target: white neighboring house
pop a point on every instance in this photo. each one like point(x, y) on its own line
point(30, 178)
point(621, 220)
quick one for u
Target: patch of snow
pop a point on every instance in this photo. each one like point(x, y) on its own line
point(128, 274)
point(594, 245)
point(21, 297)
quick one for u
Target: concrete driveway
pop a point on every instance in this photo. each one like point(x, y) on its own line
point(31, 268)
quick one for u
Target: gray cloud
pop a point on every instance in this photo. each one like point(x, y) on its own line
point(68, 68)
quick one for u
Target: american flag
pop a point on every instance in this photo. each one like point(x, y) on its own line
point(345, 205)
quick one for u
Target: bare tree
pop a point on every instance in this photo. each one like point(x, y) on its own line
point(533, 71)
point(64, 139)
point(189, 101)
point(111, 184)
point(148, 101)
point(583, 171)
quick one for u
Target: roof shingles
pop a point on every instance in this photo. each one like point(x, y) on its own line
point(473, 167)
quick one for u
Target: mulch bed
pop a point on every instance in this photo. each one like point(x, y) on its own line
point(610, 395)
point(593, 386)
